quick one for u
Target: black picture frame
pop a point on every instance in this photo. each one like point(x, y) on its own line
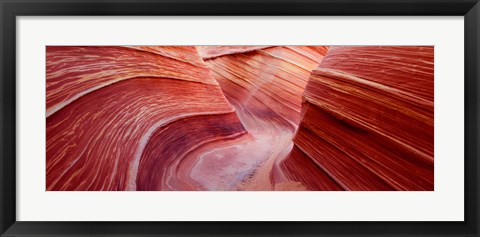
point(9, 9)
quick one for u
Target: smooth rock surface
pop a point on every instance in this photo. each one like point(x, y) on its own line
point(265, 86)
point(111, 105)
point(284, 118)
point(368, 120)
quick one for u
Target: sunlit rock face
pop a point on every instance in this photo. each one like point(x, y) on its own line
point(208, 52)
point(127, 118)
point(265, 85)
point(367, 121)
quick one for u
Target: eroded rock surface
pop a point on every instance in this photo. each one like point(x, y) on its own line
point(368, 120)
point(108, 108)
point(239, 118)
point(265, 86)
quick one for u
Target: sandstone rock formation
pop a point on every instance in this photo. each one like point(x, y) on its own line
point(265, 86)
point(239, 118)
point(208, 52)
point(368, 120)
point(107, 105)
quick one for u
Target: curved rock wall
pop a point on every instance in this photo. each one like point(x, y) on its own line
point(239, 118)
point(107, 106)
point(265, 85)
point(368, 120)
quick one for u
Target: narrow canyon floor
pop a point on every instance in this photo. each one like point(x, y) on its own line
point(244, 163)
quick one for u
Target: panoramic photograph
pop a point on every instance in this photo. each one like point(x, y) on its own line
point(239, 118)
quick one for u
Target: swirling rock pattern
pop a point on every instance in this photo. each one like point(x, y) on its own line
point(368, 120)
point(76, 71)
point(108, 104)
point(265, 85)
point(239, 118)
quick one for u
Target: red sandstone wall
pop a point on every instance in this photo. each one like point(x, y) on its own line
point(368, 120)
point(265, 85)
point(239, 118)
point(108, 106)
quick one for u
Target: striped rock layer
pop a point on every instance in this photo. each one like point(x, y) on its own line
point(367, 121)
point(108, 108)
point(265, 85)
point(239, 118)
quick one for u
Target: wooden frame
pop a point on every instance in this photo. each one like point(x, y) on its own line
point(470, 9)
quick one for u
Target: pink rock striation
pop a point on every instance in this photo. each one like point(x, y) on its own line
point(209, 52)
point(107, 105)
point(265, 86)
point(368, 120)
point(239, 118)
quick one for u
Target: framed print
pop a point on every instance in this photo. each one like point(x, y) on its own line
point(243, 118)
